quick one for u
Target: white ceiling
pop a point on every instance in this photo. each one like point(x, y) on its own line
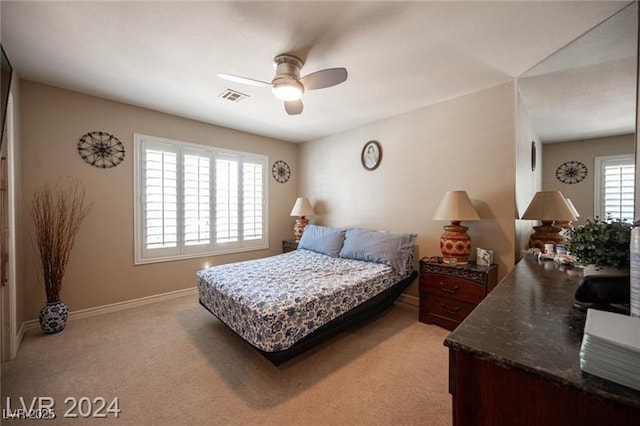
point(400, 55)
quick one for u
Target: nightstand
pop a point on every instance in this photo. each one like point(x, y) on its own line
point(449, 293)
point(289, 245)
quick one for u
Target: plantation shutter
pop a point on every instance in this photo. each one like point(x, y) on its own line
point(197, 200)
point(616, 187)
point(252, 200)
point(226, 198)
point(196, 166)
point(159, 203)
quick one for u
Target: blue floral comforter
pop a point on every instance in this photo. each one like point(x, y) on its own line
point(276, 301)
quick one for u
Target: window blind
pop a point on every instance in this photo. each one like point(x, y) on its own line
point(616, 187)
point(160, 201)
point(196, 194)
point(252, 195)
point(226, 200)
point(195, 200)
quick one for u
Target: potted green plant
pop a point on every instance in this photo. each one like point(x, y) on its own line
point(601, 244)
point(57, 215)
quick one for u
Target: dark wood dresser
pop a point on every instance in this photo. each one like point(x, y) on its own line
point(449, 293)
point(516, 359)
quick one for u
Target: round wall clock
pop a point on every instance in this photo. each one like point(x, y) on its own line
point(571, 172)
point(281, 171)
point(371, 155)
point(101, 149)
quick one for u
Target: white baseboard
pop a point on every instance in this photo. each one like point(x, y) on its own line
point(409, 299)
point(33, 325)
point(20, 336)
point(29, 326)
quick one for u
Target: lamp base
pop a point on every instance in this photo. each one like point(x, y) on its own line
point(564, 224)
point(547, 233)
point(455, 244)
point(298, 228)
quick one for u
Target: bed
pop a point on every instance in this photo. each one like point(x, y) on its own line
point(285, 304)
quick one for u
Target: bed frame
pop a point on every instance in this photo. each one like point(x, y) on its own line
point(360, 313)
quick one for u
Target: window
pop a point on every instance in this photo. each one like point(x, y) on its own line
point(614, 187)
point(195, 200)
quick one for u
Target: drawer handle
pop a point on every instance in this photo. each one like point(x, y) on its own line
point(453, 311)
point(446, 289)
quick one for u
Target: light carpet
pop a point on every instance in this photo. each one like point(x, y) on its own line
point(172, 362)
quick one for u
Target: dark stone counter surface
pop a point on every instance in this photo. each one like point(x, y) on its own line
point(528, 322)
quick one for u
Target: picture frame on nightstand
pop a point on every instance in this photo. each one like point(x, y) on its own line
point(484, 257)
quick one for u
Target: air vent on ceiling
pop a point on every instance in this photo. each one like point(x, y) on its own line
point(232, 95)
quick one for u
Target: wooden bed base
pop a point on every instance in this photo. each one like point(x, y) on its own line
point(360, 313)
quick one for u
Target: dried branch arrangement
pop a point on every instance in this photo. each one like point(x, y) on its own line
point(57, 214)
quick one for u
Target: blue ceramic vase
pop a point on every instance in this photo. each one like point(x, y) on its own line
point(53, 317)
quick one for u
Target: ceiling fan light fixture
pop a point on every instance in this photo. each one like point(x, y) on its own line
point(289, 90)
point(288, 86)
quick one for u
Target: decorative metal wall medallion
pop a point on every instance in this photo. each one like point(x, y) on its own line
point(101, 149)
point(571, 172)
point(281, 171)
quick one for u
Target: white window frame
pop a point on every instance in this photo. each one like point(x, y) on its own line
point(142, 255)
point(600, 164)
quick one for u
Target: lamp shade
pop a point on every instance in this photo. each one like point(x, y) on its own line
point(573, 208)
point(456, 206)
point(302, 207)
point(549, 206)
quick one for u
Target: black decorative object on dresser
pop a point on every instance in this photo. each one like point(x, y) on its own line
point(289, 245)
point(101, 149)
point(449, 293)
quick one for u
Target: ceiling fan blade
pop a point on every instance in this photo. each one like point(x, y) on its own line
point(244, 80)
point(293, 107)
point(324, 78)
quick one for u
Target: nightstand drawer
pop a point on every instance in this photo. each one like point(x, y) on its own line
point(453, 287)
point(453, 309)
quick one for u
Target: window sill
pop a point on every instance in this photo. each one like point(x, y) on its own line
point(173, 258)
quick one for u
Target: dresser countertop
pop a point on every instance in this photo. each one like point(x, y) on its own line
point(528, 323)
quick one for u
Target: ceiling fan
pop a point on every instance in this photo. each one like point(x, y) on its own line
point(288, 86)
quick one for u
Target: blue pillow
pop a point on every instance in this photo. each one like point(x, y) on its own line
point(395, 250)
point(322, 239)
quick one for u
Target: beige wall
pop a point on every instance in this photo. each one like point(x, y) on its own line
point(466, 143)
point(528, 181)
point(585, 151)
point(101, 269)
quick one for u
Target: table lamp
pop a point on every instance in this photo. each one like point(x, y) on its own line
point(455, 243)
point(301, 208)
point(548, 206)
